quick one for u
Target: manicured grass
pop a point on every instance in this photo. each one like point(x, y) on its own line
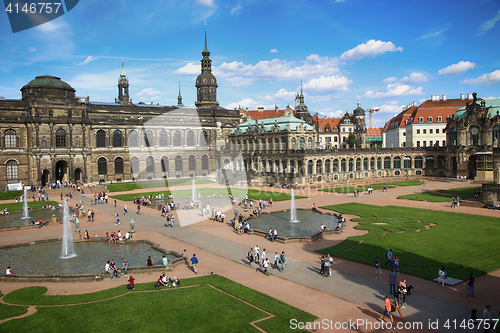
point(8, 195)
point(134, 186)
point(207, 192)
point(200, 308)
point(7, 311)
point(443, 195)
point(14, 207)
point(375, 186)
point(463, 243)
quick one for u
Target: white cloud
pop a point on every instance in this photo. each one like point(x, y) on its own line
point(282, 95)
point(458, 68)
point(189, 69)
point(492, 97)
point(488, 78)
point(205, 3)
point(227, 69)
point(488, 24)
point(236, 9)
point(149, 94)
point(318, 98)
point(392, 107)
point(328, 84)
point(274, 51)
point(395, 89)
point(32, 49)
point(390, 80)
point(250, 104)
point(370, 48)
point(414, 78)
point(88, 60)
point(239, 81)
point(331, 113)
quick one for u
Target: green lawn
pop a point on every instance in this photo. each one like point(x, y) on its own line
point(7, 311)
point(14, 207)
point(8, 195)
point(206, 192)
point(463, 243)
point(134, 186)
point(200, 308)
point(375, 186)
point(443, 195)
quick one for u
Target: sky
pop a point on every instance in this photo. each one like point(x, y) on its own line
point(384, 54)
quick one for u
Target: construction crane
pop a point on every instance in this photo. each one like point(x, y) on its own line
point(370, 115)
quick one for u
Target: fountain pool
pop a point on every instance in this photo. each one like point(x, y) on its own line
point(16, 220)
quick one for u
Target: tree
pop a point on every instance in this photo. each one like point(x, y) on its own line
point(352, 141)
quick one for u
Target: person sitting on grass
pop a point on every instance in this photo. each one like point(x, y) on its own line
point(176, 281)
point(159, 283)
point(131, 283)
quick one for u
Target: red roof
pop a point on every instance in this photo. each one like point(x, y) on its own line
point(265, 114)
point(373, 132)
point(333, 122)
point(437, 109)
point(400, 119)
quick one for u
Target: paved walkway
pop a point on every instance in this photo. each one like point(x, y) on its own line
point(351, 292)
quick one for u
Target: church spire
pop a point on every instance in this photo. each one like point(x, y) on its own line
point(179, 98)
point(206, 83)
point(123, 86)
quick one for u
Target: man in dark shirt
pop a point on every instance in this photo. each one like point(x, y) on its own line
point(470, 286)
point(112, 267)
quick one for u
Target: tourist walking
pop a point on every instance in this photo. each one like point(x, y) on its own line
point(276, 259)
point(392, 282)
point(396, 264)
point(470, 285)
point(125, 210)
point(378, 271)
point(453, 202)
point(194, 262)
point(184, 256)
point(388, 256)
point(256, 253)
point(250, 256)
point(266, 265)
point(282, 260)
point(387, 309)
point(322, 270)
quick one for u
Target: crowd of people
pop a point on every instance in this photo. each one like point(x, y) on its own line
point(263, 261)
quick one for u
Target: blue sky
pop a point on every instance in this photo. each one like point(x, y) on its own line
point(387, 54)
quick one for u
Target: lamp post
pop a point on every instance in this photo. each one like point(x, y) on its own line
point(132, 225)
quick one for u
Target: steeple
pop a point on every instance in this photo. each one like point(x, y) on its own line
point(206, 83)
point(123, 85)
point(179, 98)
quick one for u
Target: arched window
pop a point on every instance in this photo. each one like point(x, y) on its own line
point(429, 162)
point(177, 139)
point(387, 162)
point(133, 140)
point(190, 139)
point(453, 136)
point(379, 163)
point(148, 138)
point(150, 164)
point(178, 163)
point(263, 144)
point(302, 143)
point(327, 166)
point(292, 167)
point(319, 166)
point(358, 164)
point(294, 143)
point(474, 136)
point(250, 144)
point(204, 162)
point(11, 167)
point(244, 147)
point(276, 144)
point(192, 163)
point(102, 166)
point(164, 164)
point(372, 163)
point(117, 139)
point(407, 162)
point(495, 134)
point(270, 144)
point(203, 138)
point(310, 166)
point(343, 165)
point(134, 165)
point(335, 166)
point(309, 143)
point(441, 162)
point(277, 164)
point(351, 164)
point(163, 139)
point(227, 164)
point(365, 164)
point(60, 138)
point(256, 144)
point(397, 162)
point(118, 165)
point(100, 139)
point(284, 145)
point(419, 162)
point(10, 139)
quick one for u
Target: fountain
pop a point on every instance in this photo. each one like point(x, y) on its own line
point(25, 206)
point(293, 209)
point(193, 195)
point(68, 248)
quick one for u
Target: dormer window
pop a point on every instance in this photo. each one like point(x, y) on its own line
point(440, 119)
point(420, 119)
point(429, 119)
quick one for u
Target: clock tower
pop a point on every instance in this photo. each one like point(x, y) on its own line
point(206, 83)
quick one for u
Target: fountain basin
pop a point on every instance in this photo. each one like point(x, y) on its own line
point(305, 231)
point(39, 261)
point(15, 221)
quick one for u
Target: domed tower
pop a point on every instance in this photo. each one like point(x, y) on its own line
point(123, 96)
point(206, 83)
point(48, 87)
point(360, 122)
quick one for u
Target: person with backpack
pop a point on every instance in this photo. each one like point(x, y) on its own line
point(388, 256)
point(250, 256)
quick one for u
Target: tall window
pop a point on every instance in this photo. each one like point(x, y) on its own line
point(190, 139)
point(204, 162)
point(419, 162)
point(270, 144)
point(118, 165)
point(453, 136)
point(177, 139)
point(276, 144)
point(327, 166)
point(100, 139)
point(132, 139)
point(10, 139)
point(302, 143)
point(358, 164)
point(429, 162)
point(150, 164)
point(351, 165)
point(148, 138)
point(60, 138)
point(319, 166)
point(309, 143)
point(11, 170)
point(102, 166)
point(372, 163)
point(192, 163)
point(134, 164)
point(407, 162)
point(164, 163)
point(203, 138)
point(284, 145)
point(379, 163)
point(294, 143)
point(365, 164)
point(163, 139)
point(178, 163)
point(263, 144)
point(496, 134)
point(310, 165)
point(387, 163)
point(397, 162)
point(335, 165)
point(117, 138)
point(343, 165)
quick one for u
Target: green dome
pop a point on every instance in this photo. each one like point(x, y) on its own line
point(48, 81)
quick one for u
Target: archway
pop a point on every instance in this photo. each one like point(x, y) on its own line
point(61, 171)
point(78, 175)
point(45, 177)
point(472, 167)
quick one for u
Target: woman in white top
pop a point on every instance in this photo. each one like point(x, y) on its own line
point(442, 275)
